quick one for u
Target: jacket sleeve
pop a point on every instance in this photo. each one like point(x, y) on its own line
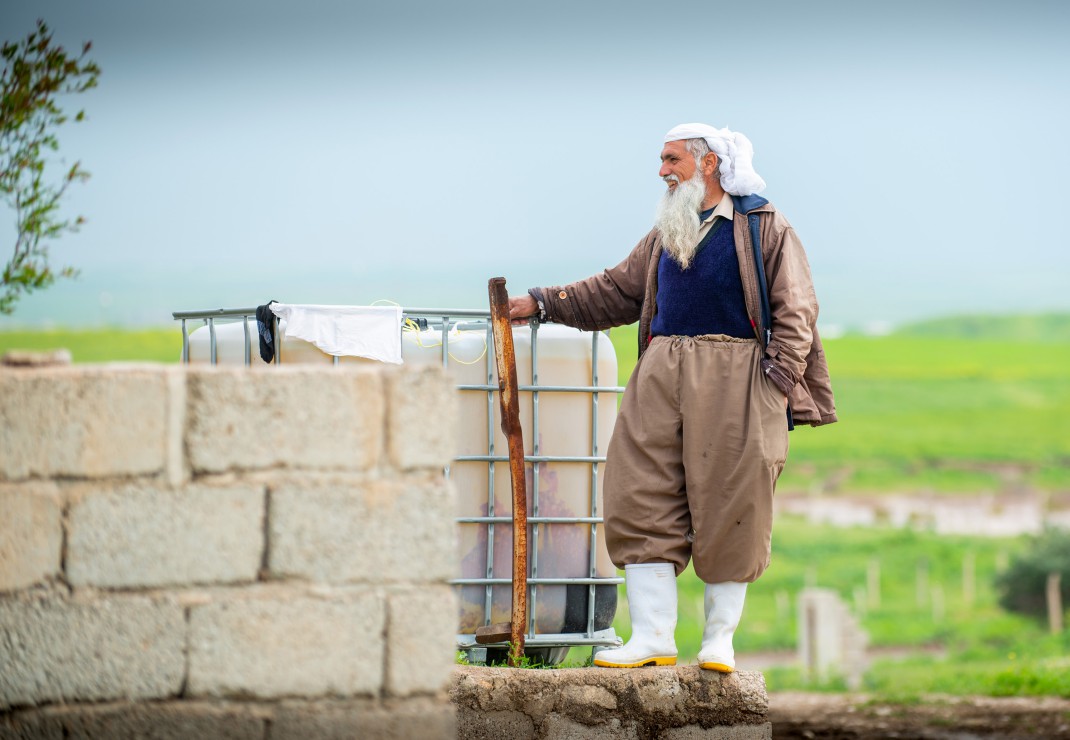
point(611, 298)
point(793, 305)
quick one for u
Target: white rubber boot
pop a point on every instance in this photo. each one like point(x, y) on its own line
point(652, 602)
point(724, 607)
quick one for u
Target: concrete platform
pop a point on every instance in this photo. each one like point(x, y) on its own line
point(643, 703)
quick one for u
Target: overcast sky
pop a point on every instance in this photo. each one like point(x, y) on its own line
point(347, 152)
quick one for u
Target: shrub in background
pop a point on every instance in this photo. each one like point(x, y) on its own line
point(1023, 586)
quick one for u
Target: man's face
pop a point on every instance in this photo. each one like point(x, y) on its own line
point(677, 164)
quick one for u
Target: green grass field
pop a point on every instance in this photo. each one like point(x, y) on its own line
point(101, 345)
point(946, 414)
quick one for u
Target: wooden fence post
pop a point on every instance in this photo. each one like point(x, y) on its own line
point(1055, 603)
point(938, 603)
point(922, 583)
point(969, 578)
point(873, 583)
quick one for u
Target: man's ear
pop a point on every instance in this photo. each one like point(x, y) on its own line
point(710, 163)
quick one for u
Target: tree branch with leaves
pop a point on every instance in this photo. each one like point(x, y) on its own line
point(37, 72)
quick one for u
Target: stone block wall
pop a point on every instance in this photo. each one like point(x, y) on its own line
point(240, 552)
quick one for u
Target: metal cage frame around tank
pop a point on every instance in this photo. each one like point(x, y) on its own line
point(444, 320)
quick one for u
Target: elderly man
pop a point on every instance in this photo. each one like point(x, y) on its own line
point(724, 369)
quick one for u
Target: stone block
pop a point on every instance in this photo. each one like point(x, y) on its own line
point(31, 534)
point(420, 637)
point(89, 649)
point(168, 720)
point(660, 693)
point(284, 417)
point(83, 422)
point(585, 703)
point(278, 641)
point(718, 732)
point(351, 530)
point(728, 698)
point(494, 725)
point(426, 718)
point(148, 535)
point(29, 725)
point(421, 431)
point(608, 728)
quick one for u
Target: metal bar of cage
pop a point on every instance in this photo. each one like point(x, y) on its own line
point(531, 519)
point(594, 580)
point(547, 388)
point(445, 314)
point(575, 639)
point(534, 550)
point(531, 458)
point(594, 483)
point(212, 341)
point(488, 595)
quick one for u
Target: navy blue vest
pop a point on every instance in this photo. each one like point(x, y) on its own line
point(707, 298)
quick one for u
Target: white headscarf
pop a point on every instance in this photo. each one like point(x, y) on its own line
point(734, 151)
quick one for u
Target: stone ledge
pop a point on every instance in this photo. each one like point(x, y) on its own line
point(425, 718)
point(675, 702)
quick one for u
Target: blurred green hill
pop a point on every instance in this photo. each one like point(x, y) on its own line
point(1048, 327)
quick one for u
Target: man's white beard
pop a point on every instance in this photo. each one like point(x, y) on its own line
point(677, 218)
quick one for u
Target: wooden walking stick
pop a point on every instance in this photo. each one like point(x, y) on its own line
point(510, 407)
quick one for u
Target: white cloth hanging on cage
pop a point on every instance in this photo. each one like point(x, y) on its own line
point(346, 331)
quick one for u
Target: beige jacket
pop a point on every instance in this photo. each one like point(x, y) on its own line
point(795, 359)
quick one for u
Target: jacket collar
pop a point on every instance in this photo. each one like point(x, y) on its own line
point(749, 203)
point(723, 209)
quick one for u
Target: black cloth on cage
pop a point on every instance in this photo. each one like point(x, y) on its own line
point(265, 331)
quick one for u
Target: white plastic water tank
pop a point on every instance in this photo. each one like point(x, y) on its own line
point(562, 488)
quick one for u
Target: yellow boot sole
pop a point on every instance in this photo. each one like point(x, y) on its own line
point(719, 667)
point(639, 664)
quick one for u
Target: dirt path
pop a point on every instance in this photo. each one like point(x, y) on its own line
point(763, 661)
point(847, 717)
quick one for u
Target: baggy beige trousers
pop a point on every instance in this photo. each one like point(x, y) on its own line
point(700, 440)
